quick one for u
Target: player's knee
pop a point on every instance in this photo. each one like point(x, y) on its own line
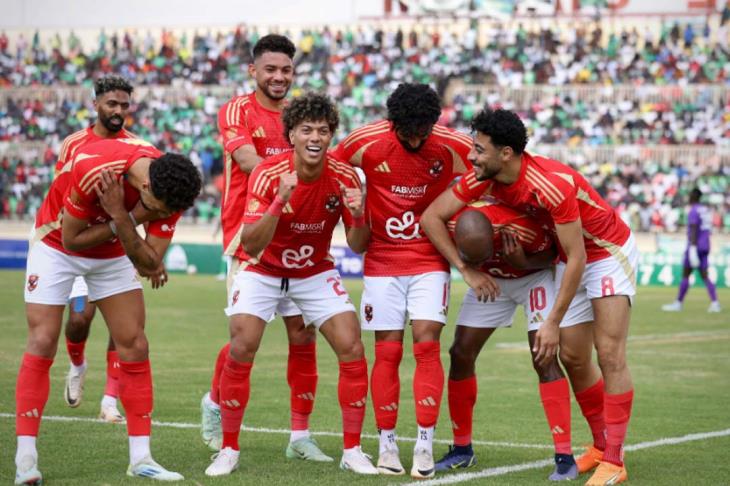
point(351, 351)
point(548, 372)
point(611, 360)
point(302, 335)
point(42, 344)
point(462, 358)
point(133, 347)
point(572, 360)
point(78, 323)
point(242, 350)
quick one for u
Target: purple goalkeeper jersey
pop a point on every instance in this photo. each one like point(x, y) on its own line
point(699, 215)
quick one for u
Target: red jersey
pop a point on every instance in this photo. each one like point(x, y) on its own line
point(48, 218)
point(554, 193)
point(400, 186)
point(300, 246)
point(118, 155)
point(530, 234)
point(243, 121)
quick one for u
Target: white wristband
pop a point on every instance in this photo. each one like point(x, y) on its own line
point(134, 221)
point(113, 227)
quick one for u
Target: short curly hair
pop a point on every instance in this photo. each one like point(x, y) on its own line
point(111, 82)
point(504, 128)
point(274, 43)
point(310, 107)
point(175, 181)
point(413, 107)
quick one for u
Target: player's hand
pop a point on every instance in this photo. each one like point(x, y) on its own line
point(693, 257)
point(353, 199)
point(287, 183)
point(110, 191)
point(158, 278)
point(483, 285)
point(512, 251)
point(547, 339)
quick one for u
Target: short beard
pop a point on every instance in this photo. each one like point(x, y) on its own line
point(109, 126)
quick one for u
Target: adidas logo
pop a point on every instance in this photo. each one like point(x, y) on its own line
point(383, 167)
point(306, 396)
point(231, 403)
point(427, 402)
point(390, 408)
point(259, 133)
point(360, 403)
point(557, 430)
point(30, 413)
point(287, 209)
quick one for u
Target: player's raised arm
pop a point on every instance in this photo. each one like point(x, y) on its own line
point(433, 223)
point(257, 235)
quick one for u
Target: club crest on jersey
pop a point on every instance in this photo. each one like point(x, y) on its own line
point(234, 298)
point(32, 282)
point(253, 205)
point(437, 168)
point(332, 203)
point(368, 312)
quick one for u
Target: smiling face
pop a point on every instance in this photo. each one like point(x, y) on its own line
point(273, 72)
point(112, 109)
point(311, 139)
point(488, 159)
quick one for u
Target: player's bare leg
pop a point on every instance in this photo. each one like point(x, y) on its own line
point(302, 379)
point(124, 314)
point(612, 317)
point(342, 332)
point(462, 394)
point(555, 397)
point(80, 314)
point(31, 392)
point(428, 387)
point(235, 387)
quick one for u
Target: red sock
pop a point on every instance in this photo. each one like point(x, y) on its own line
point(215, 383)
point(385, 383)
point(428, 382)
point(135, 392)
point(462, 397)
point(76, 352)
point(112, 374)
point(301, 374)
point(591, 404)
point(31, 393)
point(618, 412)
point(352, 392)
point(235, 388)
point(555, 397)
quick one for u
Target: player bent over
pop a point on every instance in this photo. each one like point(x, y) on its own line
point(114, 185)
point(294, 201)
point(520, 254)
point(596, 274)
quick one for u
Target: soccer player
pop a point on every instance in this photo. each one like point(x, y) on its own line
point(113, 186)
point(699, 225)
point(519, 253)
point(252, 130)
point(408, 160)
point(112, 103)
point(596, 274)
point(294, 201)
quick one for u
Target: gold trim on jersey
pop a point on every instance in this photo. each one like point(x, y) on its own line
point(367, 128)
point(548, 189)
point(344, 170)
point(227, 174)
point(92, 177)
point(356, 158)
point(68, 141)
point(586, 198)
point(233, 111)
point(616, 252)
point(287, 209)
point(376, 129)
point(453, 135)
point(46, 229)
point(459, 166)
point(235, 265)
point(233, 244)
point(471, 181)
point(259, 133)
point(567, 177)
point(383, 167)
point(266, 175)
point(525, 234)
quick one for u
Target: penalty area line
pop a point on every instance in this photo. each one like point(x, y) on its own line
point(264, 430)
point(502, 470)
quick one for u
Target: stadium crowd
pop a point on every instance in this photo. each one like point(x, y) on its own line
point(359, 68)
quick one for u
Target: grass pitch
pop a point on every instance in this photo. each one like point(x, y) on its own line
point(680, 365)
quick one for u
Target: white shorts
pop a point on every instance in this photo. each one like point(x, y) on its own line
point(386, 300)
point(79, 289)
point(286, 307)
point(535, 292)
point(50, 276)
point(319, 297)
point(614, 275)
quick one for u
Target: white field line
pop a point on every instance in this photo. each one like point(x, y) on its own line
point(501, 470)
point(638, 338)
point(264, 430)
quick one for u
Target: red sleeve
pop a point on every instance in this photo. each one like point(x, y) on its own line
point(459, 145)
point(352, 149)
point(164, 228)
point(81, 196)
point(233, 128)
point(259, 196)
point(349, 178)
point(563, 205)
point(468, 188)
